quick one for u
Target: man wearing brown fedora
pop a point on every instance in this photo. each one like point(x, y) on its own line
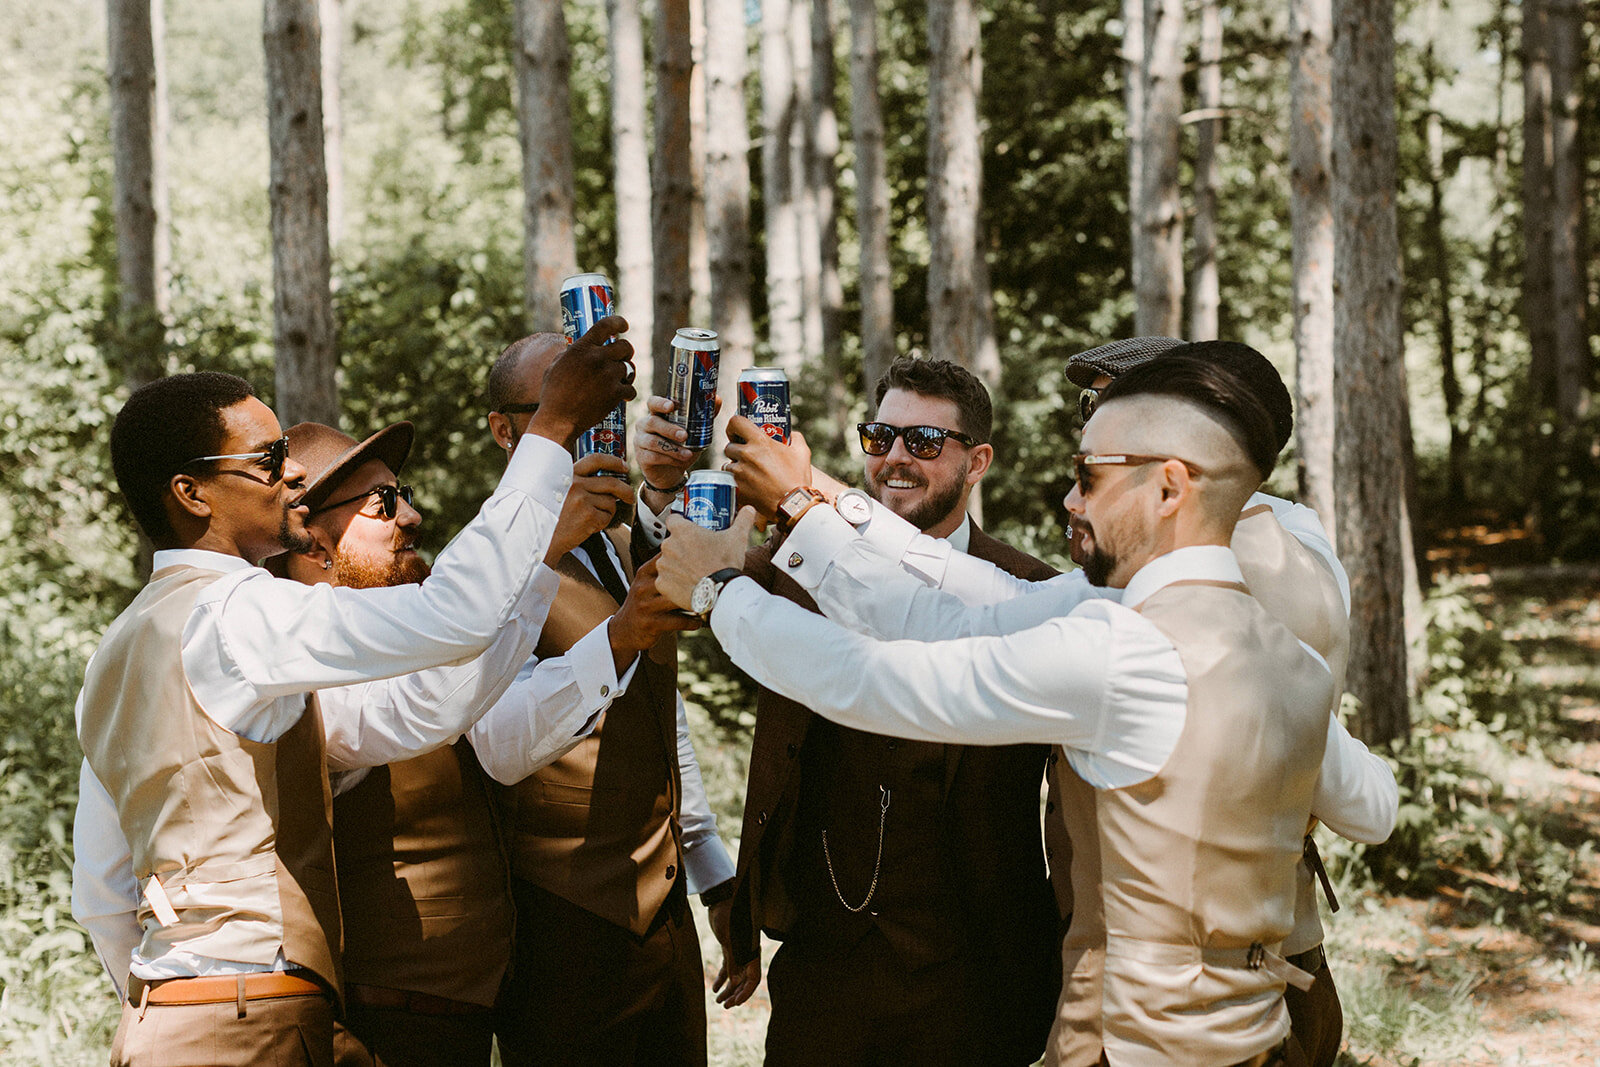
point(200, 737)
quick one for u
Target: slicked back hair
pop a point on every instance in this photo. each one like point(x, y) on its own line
point(1216, 388)
point(503, 375)
point(1257, 372)
point(943, 380)
point(163, 426)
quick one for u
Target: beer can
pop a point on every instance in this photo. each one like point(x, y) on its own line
point(609, 437)
point(764, 400)
point(708, 499)
point(585, 300)
point(692, 384)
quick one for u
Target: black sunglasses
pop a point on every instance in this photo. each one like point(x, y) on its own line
point(275, 454)
point(388, 495)
point(1088, 400)
point(923, 442)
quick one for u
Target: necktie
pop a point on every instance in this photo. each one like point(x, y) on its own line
point(600, 559)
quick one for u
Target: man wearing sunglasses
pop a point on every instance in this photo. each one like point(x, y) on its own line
point(195, 719)
point(1173, 467)
point(607, 842)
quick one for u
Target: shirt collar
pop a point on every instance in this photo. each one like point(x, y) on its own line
point(203, 558)
point(961, 536)
point(1214, 563)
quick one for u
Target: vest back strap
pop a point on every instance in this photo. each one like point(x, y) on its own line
point(1257, 957)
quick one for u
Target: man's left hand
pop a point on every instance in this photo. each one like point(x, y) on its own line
point(691, 552)
point(733, 985)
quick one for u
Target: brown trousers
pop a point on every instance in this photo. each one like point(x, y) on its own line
point(1316, 1018)
point(281, 1032)
point(385, 1037)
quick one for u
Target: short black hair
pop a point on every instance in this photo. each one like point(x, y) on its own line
point(1216, 387)
point(943, 380)
point(503, 375)
point(163, 426)
point(1257, 373)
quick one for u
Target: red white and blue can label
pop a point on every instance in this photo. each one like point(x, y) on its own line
point(708, 499)
point(764, 400)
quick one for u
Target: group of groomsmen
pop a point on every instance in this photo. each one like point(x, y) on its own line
point(347, 810)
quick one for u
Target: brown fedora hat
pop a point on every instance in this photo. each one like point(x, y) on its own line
point(330, 457)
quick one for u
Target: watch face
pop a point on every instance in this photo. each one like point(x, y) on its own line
point(853, 507)
point(704, 595)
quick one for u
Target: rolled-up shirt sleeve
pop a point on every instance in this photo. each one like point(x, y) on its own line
point(1051, 683)
point(1356, 794)
point(254, 643)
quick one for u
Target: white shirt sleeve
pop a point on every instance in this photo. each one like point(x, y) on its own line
point(551, 706)
point(1103, 682)
point(861, 590)
point(1304, 526)
point(1356, 794)
point(255, 644)
point(653, 525)
point(381, 722)
point(105, 893)
point(706, 862)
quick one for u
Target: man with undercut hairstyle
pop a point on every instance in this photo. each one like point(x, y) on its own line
point(1196, 834)
point(906, 880)
point(197, 729)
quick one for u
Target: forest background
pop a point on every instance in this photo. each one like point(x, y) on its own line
point(1499, 463)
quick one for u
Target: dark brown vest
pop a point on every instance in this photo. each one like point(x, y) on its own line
point(422, 879)
point(599, 826)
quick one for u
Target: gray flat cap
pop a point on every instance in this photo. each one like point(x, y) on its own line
point(1118, 356)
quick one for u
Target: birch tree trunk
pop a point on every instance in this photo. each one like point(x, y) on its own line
point(1158, 236)
point(1538, 196)
point(1205, 298)
point(699, 250)
point(136, 72)
point(630, 151)
point(872, 194)
point(802, 163)
point(1570, 287)
point(1133, 59)
point(728, 200)
point(673, 168)
point(1311, 215)
point(543, 61)
point(302, 304)
point(825, 186)
point(1369, 375)
point(1439, 254)
point(779, 116)
point(331, 17)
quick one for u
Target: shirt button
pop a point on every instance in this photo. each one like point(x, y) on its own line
point(795, 559)
point(605, 690)
point(792, 751)
point(671, 871)
point(893, 745)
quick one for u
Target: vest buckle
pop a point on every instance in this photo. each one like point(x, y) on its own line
point(1255, 956)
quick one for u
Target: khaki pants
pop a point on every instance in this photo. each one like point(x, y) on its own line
point(280, 1032)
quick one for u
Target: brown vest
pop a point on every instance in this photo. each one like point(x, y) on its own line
point(236, 832)
point(422, 879)
point(599, 826)
point(1177, 877)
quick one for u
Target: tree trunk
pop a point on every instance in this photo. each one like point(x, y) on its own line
point(699, 250)
point(1205, 298)
point(1158, 234)
point(673, 168)
point(543, 62)
point(1439, 253)
point(630, 151)
point(1311, 215)
point(1538, 201)
point(802, 157)
point(137, 75)
point(1570, 287)
point(1369, 378)
point(780, 198)
point(302, 304)
point(825, 186)
point(872, 195)
point(331, 16)
point(1133, 57)
point(728, 200)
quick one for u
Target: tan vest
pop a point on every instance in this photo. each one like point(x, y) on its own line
point(236, 832)
point(422, 879)
point(599, 826)
point(1196, 864)
point(1298, 589)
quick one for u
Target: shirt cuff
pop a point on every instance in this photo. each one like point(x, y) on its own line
point(653, 526)
point(541, 469)
point(819, 536)
point(595, 670)
point(706, 862)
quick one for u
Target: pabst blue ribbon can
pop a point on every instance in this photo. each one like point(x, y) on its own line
point(585, 300)
point(764, 400)
point(692, 384)
point(708, 499)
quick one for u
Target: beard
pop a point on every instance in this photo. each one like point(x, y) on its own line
point(400, 568)
point(934, 507)
point(1097, 567)
point(291, 541)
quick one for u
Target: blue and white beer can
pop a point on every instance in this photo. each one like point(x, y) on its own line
point(692, 384)
point(585, 300)
point(764, 400)
point(708, 499)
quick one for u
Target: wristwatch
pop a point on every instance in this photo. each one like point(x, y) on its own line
point(704, 597)
point(795, 503)
point(853, 506)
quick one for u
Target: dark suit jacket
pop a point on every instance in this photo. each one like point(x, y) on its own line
point(992, 831)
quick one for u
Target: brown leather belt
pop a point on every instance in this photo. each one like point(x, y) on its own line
point(1311, 960)
point(220, 988)
point(373, 996)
